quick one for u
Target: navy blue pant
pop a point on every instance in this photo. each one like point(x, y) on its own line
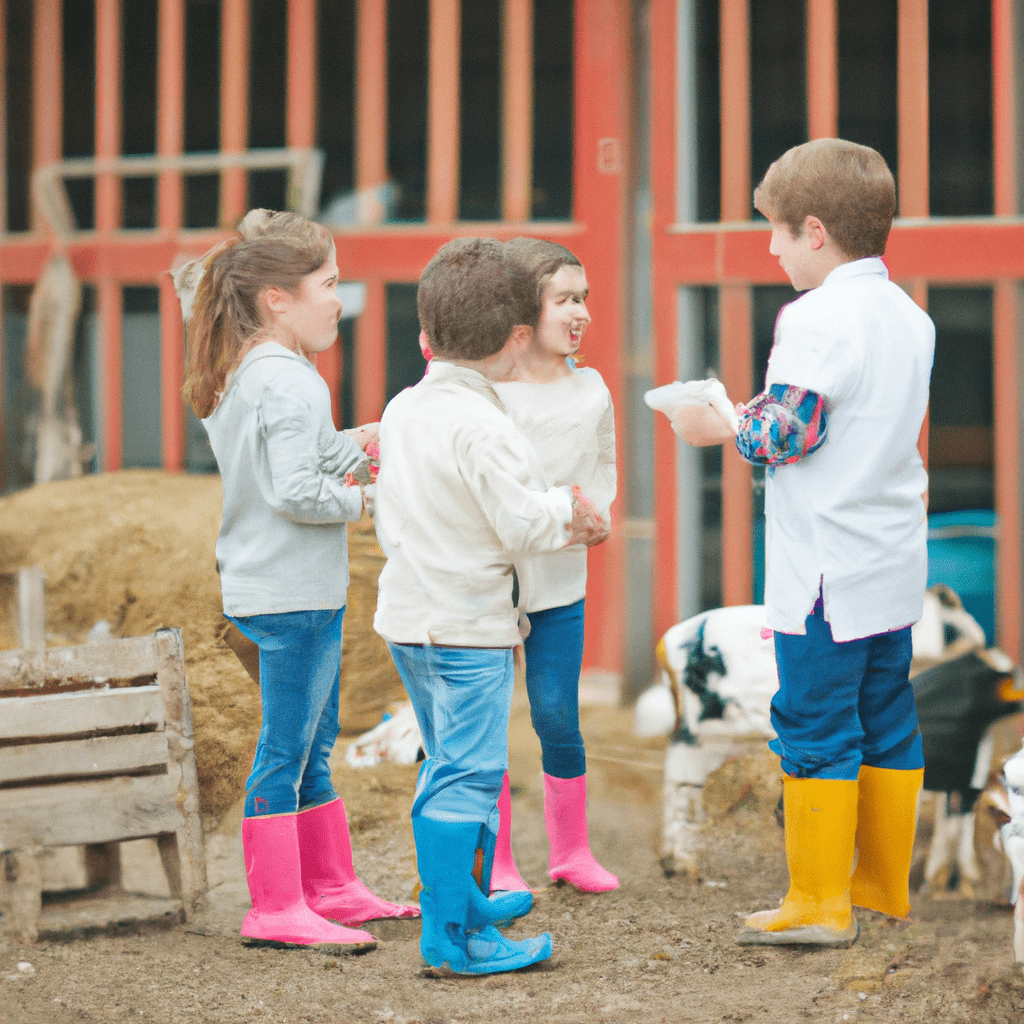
point(554, 656)
point(840, 705)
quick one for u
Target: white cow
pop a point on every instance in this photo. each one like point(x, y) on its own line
point(718, 677)
point(1006, 799)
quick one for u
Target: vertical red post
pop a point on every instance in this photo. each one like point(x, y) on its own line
point(912, 88)
point(517, 138)
point(109, 309)
point(170, 121)
point(735, 299)
point(822, 70)
point(1004, 106)
point(47, 98)
point(664, 280)
point(1006, 371)
point(371, 93)
point(234, 105)
point(172, 376)
point(602, 136)
point(108, 110)
point(369, 354)
point(443, 115)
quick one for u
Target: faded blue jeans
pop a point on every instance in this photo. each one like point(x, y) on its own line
point(300, 661)
point(462, 697)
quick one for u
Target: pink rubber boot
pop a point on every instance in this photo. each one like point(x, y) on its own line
point(279, 915)
point(329, 881)
point(565, 815)
point(505, 875)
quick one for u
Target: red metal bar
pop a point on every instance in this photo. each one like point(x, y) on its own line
point(912, 89)
point(517, 137)
point(664, 282)
point(300, 128)
point(822, 70)
point(735, 342)
point(47, 99)
point(371, 93)
point(369, 353)
point(1006, 377)
point(108, 306)
point(170, 121)
point(443, 112)
point(734, 88)
point(172, 376)
point(1004, 106)
point(108, 110)
point(234, 105)
point(602, 117)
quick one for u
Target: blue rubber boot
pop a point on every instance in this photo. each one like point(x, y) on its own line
point(455, 935)
point(501, 907)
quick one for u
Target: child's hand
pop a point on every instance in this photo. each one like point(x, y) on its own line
point(587, 526)
point(364, 435)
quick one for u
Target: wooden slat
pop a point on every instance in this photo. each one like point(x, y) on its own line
point(98, 755)
point(47, 97)
point(170, 121)
point(1005, 129)
point(300, 127)
point(65, 714)
point(371, 94)
point(108, 109)
point(234, 104)
point(99, 811)
point(734, 59)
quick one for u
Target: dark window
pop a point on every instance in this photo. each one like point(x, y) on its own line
point(138, 99)
point(553, 98)
point(267, 89)
point(18, 86)
point(202, 108)
point(140, 379)
point(79, 100)
point(709, 135)
point(778, 81)
point(407, 106)
point(404, 362)
point(960, 436)
point(481, 115)
point(336, 69)
point(867, 75)
point(960, 108)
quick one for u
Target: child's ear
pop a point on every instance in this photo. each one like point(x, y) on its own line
point(816, 232)
point(520, 338)
point(275, 299)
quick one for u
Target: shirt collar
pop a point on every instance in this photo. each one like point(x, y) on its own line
point(858, 268)
point(441, 371)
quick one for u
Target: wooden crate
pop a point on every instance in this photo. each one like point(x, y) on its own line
point(96, 747)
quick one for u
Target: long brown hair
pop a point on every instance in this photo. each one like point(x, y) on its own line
point(541, 260)
point(226, 314)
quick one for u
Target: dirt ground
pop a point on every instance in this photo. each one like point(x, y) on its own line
point(136, 550)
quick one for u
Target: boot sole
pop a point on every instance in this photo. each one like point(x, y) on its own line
point(808, 935)
point(327, 948)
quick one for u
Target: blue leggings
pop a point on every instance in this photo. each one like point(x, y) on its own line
point(300, 659)
point(840, 705)
point(554, 656)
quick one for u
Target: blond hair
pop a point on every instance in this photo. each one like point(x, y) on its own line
point(269, 250)
point(848, 187)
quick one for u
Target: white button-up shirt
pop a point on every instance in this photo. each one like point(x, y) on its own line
point(850, 518)
point(460, 494)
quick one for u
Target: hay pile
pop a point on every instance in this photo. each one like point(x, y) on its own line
point(136, 549)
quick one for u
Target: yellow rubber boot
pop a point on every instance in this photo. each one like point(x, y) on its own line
point(886, 819)
point(821, 821)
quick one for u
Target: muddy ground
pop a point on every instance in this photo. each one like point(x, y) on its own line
point(657, 949)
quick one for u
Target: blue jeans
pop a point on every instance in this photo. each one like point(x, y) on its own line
point(840, 705)
point(300, 660)
point(554, 656)
point(462, 697)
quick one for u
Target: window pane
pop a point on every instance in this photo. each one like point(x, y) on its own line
point(18, 85)
point(202, 108)
point(404, 362)
point(267, 64)
point(407, 105)
point(79, 96)
point(480, 90)
point(960, 108)
point(335, 122)
point(140, 379)
point(552, 109)
point(138, 98)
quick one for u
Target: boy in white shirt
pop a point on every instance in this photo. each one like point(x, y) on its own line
point(845, 396)
point(460, 494)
